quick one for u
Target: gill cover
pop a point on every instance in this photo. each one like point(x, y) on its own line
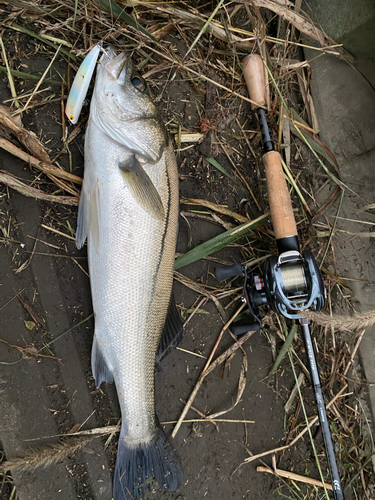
point(123, 111)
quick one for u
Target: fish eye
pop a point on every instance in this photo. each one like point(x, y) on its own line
point(139, 83)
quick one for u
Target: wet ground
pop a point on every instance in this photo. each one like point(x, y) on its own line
point(46, 395)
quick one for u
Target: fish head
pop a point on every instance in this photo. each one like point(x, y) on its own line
point(122, 108)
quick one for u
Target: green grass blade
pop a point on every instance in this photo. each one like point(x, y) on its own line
point(67, 331)
point(284, 349)
point(295, 186)
point(205, 26)
point(28, 76)
point(217, 165)
point(217, 243)
point(332, 230)
point(41, 38)
point(117, 11)
point(313, 144)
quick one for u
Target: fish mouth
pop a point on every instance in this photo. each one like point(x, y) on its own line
point(115, 64)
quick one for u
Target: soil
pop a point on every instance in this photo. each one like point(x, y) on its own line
point(45, 396)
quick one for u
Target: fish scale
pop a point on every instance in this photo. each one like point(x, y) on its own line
point(129, 214)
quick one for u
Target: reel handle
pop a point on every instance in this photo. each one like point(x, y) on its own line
point(283, 221)
point(225, 272)
point(242, 329)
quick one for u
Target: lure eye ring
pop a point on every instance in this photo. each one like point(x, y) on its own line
point(139, 83)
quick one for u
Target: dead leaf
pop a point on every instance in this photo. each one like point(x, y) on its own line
point(30, 325)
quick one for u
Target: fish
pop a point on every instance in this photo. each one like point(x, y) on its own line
point(128, 213)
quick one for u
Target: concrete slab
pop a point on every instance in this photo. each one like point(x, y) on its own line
point(42, 397)
point(351, 22)
point(22, 386)
point(345, 104)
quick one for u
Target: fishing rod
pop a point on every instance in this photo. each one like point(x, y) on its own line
point(291, 282)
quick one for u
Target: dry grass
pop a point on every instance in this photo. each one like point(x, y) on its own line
point(201, 50)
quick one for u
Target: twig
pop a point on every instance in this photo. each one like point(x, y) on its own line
point(28, 350)
point(305, 27)
point(111, 436)
point(293, 394)
point(352, 356)
point(98, 431)
point(214, 206)
point(57, 232)
point(10, 76)
point(211, 420)
point(311, 423)
point(28, 76)
point(14, 183)
point(294, 477)
point(200, 414)
point(34, 162)
point(41, 79)
point(207, 369)
point(200, 304)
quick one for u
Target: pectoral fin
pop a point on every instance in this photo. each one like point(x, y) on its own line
point(142, 188)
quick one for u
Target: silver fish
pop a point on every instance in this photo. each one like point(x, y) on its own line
point(128, 212)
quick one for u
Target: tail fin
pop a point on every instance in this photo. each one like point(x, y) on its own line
point(152, 464)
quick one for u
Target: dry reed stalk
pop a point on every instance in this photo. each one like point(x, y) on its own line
point(208, 369)
point(44, 456)
point(311, 423)
point(359, 321)
point(214, 206)
point(13, 125)
point(228, 420)
point(46, 168)
point(11, 181)
point(304, 26)
point(294, 477)
point(212, 27)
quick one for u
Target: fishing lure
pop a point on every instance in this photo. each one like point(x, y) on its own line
point(81, 84)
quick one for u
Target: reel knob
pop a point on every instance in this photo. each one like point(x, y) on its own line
point(225, 272)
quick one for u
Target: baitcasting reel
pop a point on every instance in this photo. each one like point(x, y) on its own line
point(290, 284)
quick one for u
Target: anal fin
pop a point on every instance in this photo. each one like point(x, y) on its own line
point(172, 333)
point(100, 369)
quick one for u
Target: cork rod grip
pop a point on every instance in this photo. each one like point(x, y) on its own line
point(253, 71)
point(283, 221)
